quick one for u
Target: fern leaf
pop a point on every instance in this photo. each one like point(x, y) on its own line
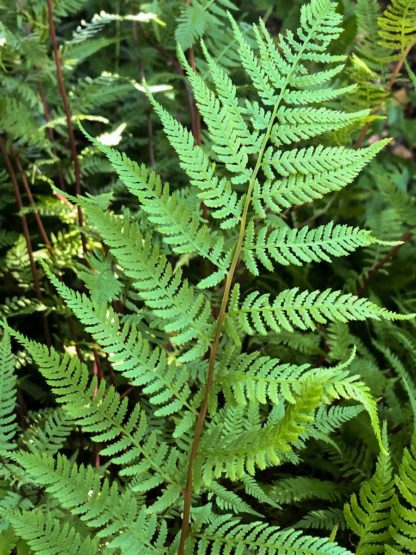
point(215, 192)
point(297, 246)
point(291, 310)
point(82, 492)
point(187, 314)
point(232, 141)
point(8, 424)
point(47, 535)
point(368, 512)
point(309, 174)
point(179, 227)
point(100, 411)
point(198, 17)
point(49, 435)
point(226, 534)
point(403, 512)
point(131, 354)
point(397, 25)
point(235, 454)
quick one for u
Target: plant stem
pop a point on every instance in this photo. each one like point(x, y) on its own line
point(68, 116)
point(26, 187)
point(221, 316)
point(383, 261)
point(26, 234)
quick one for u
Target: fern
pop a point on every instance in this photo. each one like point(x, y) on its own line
point(368, 513)
point(47, 535)
point(226, 533)
point(397, 25)
point(197, 17)
point(103, 415)
point(297, 246)
point(403, 512)
point(291, 310)
point(8, 425)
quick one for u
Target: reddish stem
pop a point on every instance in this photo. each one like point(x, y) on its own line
point(68, 115)
point(26, 234)
point(26, 187)
point(383, 261)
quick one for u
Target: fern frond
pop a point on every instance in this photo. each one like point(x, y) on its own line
point(47, 535)
point(367, 14)
point(8, 424)
point(298, 124)
point(186, 313)
point(180, 228)
point(236, 453)
point(403, 512)
point(297, 246)
point(226, 534)
point(198, 17)
point(292, 309)
point(131, 354)
point(215, 192)
point(50, 434)
point(309, 174)
point(256, 378)
point(299, 488)
point(322, 519)
point(101, 412)
point(398, 25)
point(368, 512)
point(95, 501)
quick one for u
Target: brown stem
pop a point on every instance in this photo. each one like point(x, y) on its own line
point(68, 116)
point(388, 87)
point(26, 187)
point(26, 234)
point(383, 261)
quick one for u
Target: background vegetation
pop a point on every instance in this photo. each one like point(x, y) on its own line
point(83, 61)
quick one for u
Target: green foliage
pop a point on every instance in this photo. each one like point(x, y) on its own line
point(210, 287)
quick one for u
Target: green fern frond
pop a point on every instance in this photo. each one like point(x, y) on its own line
point(322, 519)
point(368, 512)
point(367, 13)
point(47, 535)
point(297, 246)
point(186, 313)
point(8, 424)
point(180, 228)
point(198, 17)
point(299, 488)
point(226, 534)
point(215, 192)
point(403, 512)
point(227, 500)
point(165, 384)
point(398, 25)
point(237, 453)
point(50, 433)
point(292, 309)
point(256, 378)
point(308, 174)
point(101, 412)
point(95, 501)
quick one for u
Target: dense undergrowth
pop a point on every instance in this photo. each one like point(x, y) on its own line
point(207, 295)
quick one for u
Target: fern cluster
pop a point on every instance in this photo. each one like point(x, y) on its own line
point(200, 349)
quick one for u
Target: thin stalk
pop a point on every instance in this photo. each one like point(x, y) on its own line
point(68, 116)
point(26, 234)
point(36, 214)
point(222, 313)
